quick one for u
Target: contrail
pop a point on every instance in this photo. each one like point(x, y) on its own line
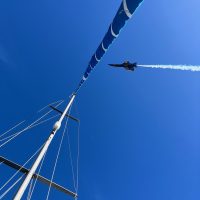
point(178, 67)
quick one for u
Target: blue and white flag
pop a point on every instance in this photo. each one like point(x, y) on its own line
point(125, 12)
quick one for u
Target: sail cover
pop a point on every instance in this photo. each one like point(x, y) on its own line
point(125, 12)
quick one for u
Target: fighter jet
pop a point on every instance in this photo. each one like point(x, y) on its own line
point(126, 65)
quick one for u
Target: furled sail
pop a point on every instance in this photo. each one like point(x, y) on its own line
point(125, 12)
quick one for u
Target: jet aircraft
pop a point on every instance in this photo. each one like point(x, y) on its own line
point(126, 65)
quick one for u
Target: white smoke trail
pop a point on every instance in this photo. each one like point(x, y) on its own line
point(178, 67)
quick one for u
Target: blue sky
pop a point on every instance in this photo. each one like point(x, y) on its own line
point(139, 135)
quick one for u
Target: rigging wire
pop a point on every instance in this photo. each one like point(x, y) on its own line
point(58, 153)
point(75, 180)
point(71, 161)
point(46, 120)
point(1, 197)
point(23, 130)
point(39, 123)
point(21, 167)
point(37, 177)
point(77, 160)
point(59, 101)
point(78, 149)
point(12, 128)
point(30, 189)
point(33, 123)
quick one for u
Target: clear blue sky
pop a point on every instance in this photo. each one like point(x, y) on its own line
point(140, 131)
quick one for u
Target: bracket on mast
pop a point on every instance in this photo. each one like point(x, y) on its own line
point(37, 176)
point(69, 116)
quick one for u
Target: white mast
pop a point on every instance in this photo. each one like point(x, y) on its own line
point(56, 127)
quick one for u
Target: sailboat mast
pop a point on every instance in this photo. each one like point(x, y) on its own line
point(34, 167)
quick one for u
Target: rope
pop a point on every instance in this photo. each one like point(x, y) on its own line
point(21, 167)
point(58, 153)
point(12, 128)
point(1, 197)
